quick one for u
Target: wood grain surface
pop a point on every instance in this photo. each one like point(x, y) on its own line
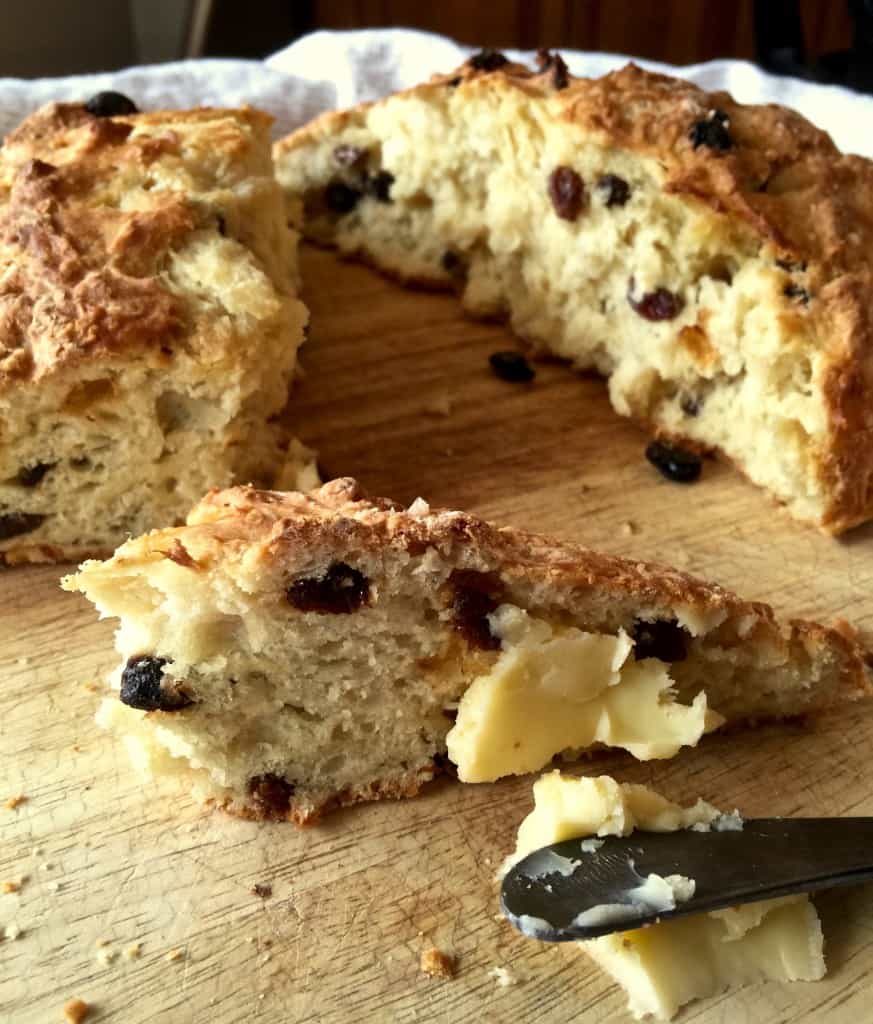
point(107, 858)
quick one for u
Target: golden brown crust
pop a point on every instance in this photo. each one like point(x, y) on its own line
point(80, 269)
point(782, 182)
point(240, 519)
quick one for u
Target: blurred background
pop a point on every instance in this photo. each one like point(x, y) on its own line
point(827, 40)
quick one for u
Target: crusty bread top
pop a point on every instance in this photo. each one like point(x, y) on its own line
point(89, 209)
point(239, 518)
point(253, 533)
point(275, 526)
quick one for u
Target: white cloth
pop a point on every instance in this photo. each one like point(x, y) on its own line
point(336, 69)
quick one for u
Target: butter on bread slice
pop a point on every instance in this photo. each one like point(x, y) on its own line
point(666, 965)
point(712, 259)
point(287, 653)
point(149, 322)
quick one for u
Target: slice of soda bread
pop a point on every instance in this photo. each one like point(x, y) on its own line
point(149, 323)
point(713, 260)
point(290, 653)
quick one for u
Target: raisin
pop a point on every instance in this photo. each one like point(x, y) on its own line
point(341, 198)
point(657, 305)
point(37, 169)
point(689, 405)
point(30, 476)
point(487, 60)
point(454, 264)
point(110, 104)
point(476, 595)
point(663, 639)
point(14, 524)
point(144, 686)
point(794, 291)
point(712, 131)
point(379, 186)
point(443, 766)
point(450, 261)
point(349, 156)
point(554, 62)
point(271, 795)
point(675, 464)
point(511, 366)
point(339, 591)
point(617, 189)
point(567, 192)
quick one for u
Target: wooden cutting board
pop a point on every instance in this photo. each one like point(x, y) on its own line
point(107, 858)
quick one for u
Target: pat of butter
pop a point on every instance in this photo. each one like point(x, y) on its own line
point(570, 807)
point(666, 965)
point(557, 689)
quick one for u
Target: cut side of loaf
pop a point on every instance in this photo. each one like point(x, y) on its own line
point(711, 259)
point(287, 653)
point(149, 323)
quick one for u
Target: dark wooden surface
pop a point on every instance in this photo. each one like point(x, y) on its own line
point(674, 31)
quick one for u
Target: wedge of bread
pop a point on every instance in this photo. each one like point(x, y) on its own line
point(288, 653)
point(713, 260)
point(149, 322)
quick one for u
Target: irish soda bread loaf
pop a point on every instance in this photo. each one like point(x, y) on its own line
point(290, 653)
point(712, 259)
point(148, 320)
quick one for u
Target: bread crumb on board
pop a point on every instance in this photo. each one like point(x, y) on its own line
point(76, 1011)
point(436, 963)
point(12, 931)
point(262, 889)
point(439, 404)
point(175, 954)
point(14, 802)
point(503, 976)
point(105, 956)
point(132, 952)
